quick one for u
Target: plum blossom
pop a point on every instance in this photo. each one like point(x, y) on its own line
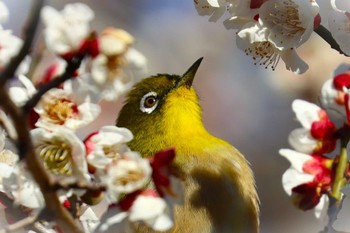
point(252, 39)
point(308, 179)
point(131, 175)
point(290, 22)
point(61, 151)
point(22, 92)
point(166, 183)
point(214, 8)
point(66, 31)
point(115, 54)
point(140, 207)
point(60, 107)
point(10, 46)
point(106, 145)
point(15, 181)
point(316, 135)
point(338, 23)
point(126, 175)
point(334, 90)
point(241, 13)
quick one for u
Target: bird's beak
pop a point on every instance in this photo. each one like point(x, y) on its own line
point(187, 79)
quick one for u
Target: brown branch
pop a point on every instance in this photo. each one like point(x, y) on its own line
point(72, 66)
point(77, 184)
point(15, 227)
point(35, 165)
point(24, 143)
point(29, 33)
point(327, 36)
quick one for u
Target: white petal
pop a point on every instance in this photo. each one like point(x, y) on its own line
point(338, 26)
point(136, 59)
point(302, 141)
point(18, 95)
point(162, 223)
point(296, 159)
point(322, 207)
point(146, 207)
point(253, 32)
point(293, 61)
point(292, 178)
point(306, 112)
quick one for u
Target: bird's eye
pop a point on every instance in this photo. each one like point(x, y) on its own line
point(149, 102)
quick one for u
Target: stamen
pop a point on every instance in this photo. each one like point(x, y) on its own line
point(56, 157)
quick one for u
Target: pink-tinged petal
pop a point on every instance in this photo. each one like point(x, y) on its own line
point(161, 170)
point(292, 178)
point(306, 112)
point(321, 167)
point(331, 98)
point(302, 141)
point(323, 129)
point(342, 81)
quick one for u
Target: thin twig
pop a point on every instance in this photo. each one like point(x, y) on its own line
point(29, 33)
point(327, 36)
point(18, 225)
point(72, 66)
point(35, 165)
point(76, 184)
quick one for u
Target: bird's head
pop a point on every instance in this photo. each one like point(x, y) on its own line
point(158, 107)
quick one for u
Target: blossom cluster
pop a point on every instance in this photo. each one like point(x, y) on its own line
point(272, 30)
point(315, 158)
point(135, 190)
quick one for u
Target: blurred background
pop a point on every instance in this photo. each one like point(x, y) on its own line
point(244, 104)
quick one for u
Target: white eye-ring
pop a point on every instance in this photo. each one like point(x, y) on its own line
point(149, 102)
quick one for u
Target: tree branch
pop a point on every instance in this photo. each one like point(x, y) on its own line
point(72, 66)
point(327, 36)
point(29, 33)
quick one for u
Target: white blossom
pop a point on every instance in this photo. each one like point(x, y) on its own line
point(107, 145)
point(10, 46)
point(65, 30)
point(116, 54)
point(290, 22)
point(214, 8)
point(253, 40)
point(60, 107)
point(126, 175)
point(61, 151)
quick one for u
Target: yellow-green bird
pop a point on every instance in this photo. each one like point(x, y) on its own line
point(163, 111)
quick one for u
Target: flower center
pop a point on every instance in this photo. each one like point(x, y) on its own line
point(130, 177)
point(286, 15)
point(57, 157)
point(58, 111)
point(111, 152)
point(263, 53)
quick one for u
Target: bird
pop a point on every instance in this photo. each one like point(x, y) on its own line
point(220, 195)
